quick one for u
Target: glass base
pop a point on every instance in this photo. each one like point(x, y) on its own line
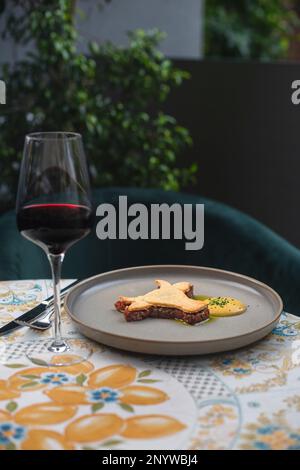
point(47, 353)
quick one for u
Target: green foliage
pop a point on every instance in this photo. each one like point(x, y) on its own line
point(111, 95)
point(249, 29)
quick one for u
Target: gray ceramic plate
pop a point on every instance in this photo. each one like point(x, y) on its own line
point(91, 305)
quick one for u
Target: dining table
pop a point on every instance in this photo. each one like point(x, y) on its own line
point(242, 399)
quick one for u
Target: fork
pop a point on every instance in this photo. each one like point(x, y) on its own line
point(43, 323)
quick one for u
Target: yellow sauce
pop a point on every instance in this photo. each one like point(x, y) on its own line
point(225, 306)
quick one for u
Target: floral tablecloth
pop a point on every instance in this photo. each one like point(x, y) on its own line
point(246, 399)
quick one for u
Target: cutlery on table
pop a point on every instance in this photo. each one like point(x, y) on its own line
point(42, 323)
point(42, 312)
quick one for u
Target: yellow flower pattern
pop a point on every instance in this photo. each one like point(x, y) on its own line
point(68, 389)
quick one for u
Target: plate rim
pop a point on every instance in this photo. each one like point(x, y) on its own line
point(168, 266)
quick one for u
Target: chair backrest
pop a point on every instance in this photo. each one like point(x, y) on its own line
point(233, 241)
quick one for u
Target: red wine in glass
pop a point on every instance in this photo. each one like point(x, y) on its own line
point(55, 227)
point(54, 211)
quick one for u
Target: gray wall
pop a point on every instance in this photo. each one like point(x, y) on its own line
point(180, 19)
point(246, 134)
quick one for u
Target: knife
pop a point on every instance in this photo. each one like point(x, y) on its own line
point(34, 312)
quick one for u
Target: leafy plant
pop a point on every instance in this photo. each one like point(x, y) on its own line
point(111, 95)
point(249, 29)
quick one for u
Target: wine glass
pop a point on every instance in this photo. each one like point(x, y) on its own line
point(54, 211)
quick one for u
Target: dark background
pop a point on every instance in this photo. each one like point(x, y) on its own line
point(246, 134)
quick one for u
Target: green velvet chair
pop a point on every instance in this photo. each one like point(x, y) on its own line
point(233, 241)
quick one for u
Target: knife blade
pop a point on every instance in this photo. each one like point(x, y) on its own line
point(33, 313)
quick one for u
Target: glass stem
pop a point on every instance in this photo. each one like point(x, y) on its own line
point(58, 344)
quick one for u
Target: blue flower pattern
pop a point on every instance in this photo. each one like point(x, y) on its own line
point(284, 330)
point(56, 379)
point(10, 433)
point(269, 430)
point(241, 370)
point(227, 361)
point(106, 395)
